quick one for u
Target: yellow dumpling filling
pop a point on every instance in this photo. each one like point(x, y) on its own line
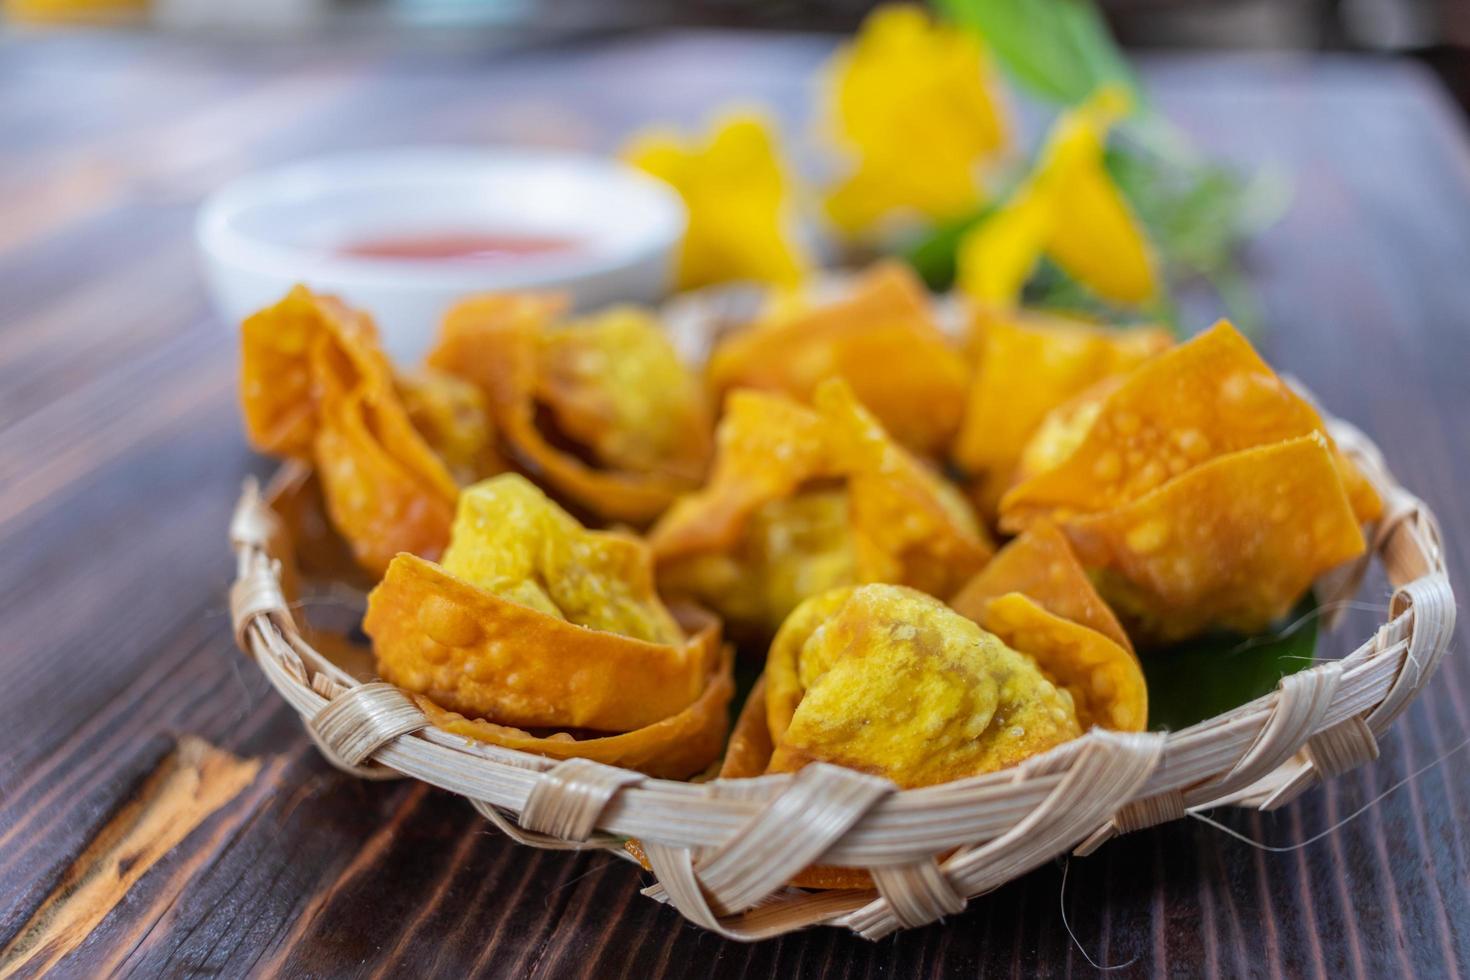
point(791, 549)
point(509, 538)
point(451, 415)
point(805, 499)
point(616, 385)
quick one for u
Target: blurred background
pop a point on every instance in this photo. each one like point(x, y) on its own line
point(1436, 32)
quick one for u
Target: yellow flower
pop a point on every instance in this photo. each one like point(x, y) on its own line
point(1070, 210)
point(737, 193)
point(912, 100)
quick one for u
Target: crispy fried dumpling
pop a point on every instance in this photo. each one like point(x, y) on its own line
point(881, 339)
point(600, 410)
point(532, 622)
point(1026, 366)
point(1231, 544)
point(1036, 597)
point(1200, 491)
point(452, 416)
point(891, 681)
point(1203, 399)
point(803, 500)
point(315, 386)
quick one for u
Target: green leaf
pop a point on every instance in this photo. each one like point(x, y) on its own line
point(1198, 679)
point(1198, 213)
point(1192, 210)
point(933, 254)
point(1059, 49)
point(1051, 288)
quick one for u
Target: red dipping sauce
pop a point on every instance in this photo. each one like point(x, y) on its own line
point(458, 247)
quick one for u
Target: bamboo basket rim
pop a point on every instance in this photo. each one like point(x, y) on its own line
point(723, 851)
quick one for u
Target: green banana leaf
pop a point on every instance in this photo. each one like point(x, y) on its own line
point(1201, 678)
point(1060, 50)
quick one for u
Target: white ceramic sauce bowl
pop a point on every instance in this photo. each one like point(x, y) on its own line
point(263, 233)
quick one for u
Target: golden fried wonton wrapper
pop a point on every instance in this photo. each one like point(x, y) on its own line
point(533, 621)
point(749, 749)
point(1206, 398)
point(891, 681)
point(768, 446)
point(1041, 564)
point(454, 420)
point(1037, 598)
point(600, 410)
point(881, 339)
point(277, 347)
point(1233, 543)
point(1063, 429)
point(315, 385)
point(909, 525)
point(676, 747)
point(1027, 365)
point(801, 501)
point(1104, 679)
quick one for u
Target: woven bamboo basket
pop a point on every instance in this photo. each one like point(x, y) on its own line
point(723, 851)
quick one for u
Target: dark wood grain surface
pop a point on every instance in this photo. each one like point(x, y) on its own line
point(126, 713)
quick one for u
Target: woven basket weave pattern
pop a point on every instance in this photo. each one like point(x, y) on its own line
point(723, 851)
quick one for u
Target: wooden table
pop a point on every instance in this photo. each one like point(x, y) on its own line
point(161, 812)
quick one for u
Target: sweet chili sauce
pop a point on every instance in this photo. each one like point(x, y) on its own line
point(458, 246)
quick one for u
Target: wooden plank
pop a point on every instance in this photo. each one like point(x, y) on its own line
point(188, 785)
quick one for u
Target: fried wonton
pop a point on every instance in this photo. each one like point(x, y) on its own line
point(315, 386)
point(676, 747)
point(452, 416)
point(600, 410)
point(1037, 598)
point(1026, 366)
point(891, 681)
point(881, 339)
point(1104, 679)
point(803, 500)
point(1062, 430)
point(1232, 543)
point(1041, 564)
point(750, 749)
point(532, 621)
point(1203, 399)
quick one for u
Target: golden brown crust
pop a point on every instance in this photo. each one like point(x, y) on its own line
point(1233, 543)
point(1041, 564)
point(509, 347)
point(1202, 400)
point(896, 520)
point(888, 680)
point(880, 339)
point(1026, 365)
point(314, 385)
point(1104, 679)
point(675, 747)
point(471, 651)
point(749, 750)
